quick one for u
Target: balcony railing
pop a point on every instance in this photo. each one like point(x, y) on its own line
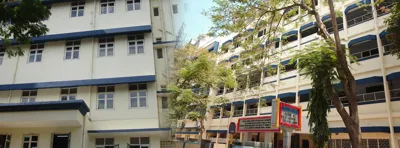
point(360, 19)
point(251, 111)
point(366, 53)
point(384, 5)
point(380, 95)
point(340, 28)
point(388, 47)
point(238, 113)
point(216, 115)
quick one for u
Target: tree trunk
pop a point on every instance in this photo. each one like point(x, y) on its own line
point(201, 129)
point(347, 79)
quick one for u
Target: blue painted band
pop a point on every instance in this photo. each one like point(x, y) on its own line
point(326, 17)
point(371, 129)
point(362, 39)
point(216, 131)
point(188, 133)
point(75, 83)
point(290, 77)
point(268, 98)
point(129, 130)
point(89, 34)
point(46, 106)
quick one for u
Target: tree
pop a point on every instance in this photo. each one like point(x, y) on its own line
point(194, 73)
point(236, 16)
point(20, 20)
point(393, 22)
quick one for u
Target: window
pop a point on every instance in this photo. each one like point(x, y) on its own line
point(159, 53)
point(136, 44)
point(104, 142)
point(35, 53)
point(175, 9)
point(106, 46)
point(68, 94)
point(158, 39)
point(72, 49)
point(2, 50)
point(107, 6)
point(140, 142)
point(30, 141)
point(28, 96)
point(105, 97)
point(77, 9)
point(138, 95)
point(261, 33)
point(131, 4)
point(155, 11)
point(164, 102)
point(163, 87)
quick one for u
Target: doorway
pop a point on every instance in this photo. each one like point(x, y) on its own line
point(61, 140)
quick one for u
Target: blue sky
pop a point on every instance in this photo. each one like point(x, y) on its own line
point(196, 22)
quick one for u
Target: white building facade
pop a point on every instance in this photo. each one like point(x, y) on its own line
point(95, 80)
point(377, 76)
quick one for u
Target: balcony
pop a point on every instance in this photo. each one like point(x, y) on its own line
point(366, 97)
point(366, 53)
point(43, 114)
point(237, 113)
point(251, 111)
point(328, 23)
point(358, 16)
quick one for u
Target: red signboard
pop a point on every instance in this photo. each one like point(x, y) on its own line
point(289, 115)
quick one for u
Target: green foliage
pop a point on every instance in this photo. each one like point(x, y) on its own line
point(318, 62)
point(393, 22)
point(195, 73)
point(21, 22)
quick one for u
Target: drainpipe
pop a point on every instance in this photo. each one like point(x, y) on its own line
point(297, 73)
point(393, 139)
point(14, 77)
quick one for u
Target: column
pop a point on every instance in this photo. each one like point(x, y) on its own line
point(217, 139)
point(268, 138)
point(287, 137)
point(393, 139)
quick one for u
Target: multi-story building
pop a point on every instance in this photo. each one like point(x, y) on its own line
point(96, 79)
point(377, 76)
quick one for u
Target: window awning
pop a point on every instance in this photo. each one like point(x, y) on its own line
point(356, 5)
point(226, 42)
point(238, 103)
point(326, 17)
point(268, 98)
point(392, 76)
point(288, 94)
point(250, 29)
point(285, 62)
point(214, 47)
point(274, 40)
point(233, 57)
point(369, 80)
point(304, 92)
point(254, 100)
point(383, 34)
point(293, 32)
point(362, 39)
point(308, 25)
